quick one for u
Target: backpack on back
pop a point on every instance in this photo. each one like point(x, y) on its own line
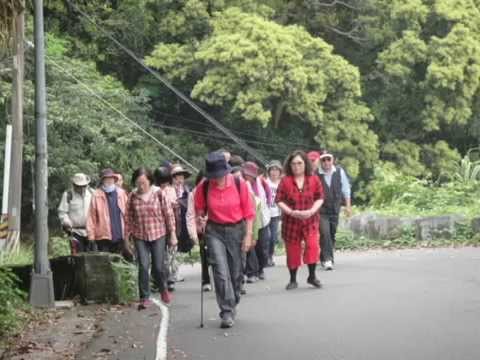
point(185, 242)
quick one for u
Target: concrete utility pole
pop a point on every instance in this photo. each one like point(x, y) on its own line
point(41, 289)
point(16, 165)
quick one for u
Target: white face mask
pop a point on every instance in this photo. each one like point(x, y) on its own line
point(108, 188)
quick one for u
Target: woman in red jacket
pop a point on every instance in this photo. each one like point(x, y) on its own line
point(300, 196)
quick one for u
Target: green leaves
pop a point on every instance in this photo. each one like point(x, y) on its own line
point(271, 74)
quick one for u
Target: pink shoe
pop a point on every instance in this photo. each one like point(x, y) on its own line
point(144, 303)
point(166, 297)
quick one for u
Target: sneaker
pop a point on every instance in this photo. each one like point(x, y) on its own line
point(227, 321)
point(314, 282)
point(166, 297)
point(144, 304)
point(291, 286)
point(206, 287)
point(261, 276)
point(328, 265)
point(171, 286)
point(251, 280)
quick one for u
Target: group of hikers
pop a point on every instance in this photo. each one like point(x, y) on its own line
point(233, 212)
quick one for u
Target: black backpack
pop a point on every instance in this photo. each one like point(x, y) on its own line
point(185, 242)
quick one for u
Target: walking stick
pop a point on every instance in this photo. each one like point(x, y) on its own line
point(202, 247)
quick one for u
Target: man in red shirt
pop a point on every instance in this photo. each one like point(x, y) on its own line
point(230, 210)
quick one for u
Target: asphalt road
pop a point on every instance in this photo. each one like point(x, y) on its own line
point(411, 304)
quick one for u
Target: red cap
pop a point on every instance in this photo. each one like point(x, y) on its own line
point(313, 155)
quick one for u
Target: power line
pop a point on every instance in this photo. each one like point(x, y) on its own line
point(173, 116)
point(177, 92)
point(125, 117)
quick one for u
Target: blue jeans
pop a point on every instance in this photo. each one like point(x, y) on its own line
point(274, 223)
point(154, 250)
point(224, 246)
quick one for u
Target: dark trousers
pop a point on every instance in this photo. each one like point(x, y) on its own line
point(150, 252)
point(328, 231)
point(204, 261)
point(224, 244)
point(79, 244)
point(262, 248)
point(273, 226)
point(251, 263)
point(109, 246)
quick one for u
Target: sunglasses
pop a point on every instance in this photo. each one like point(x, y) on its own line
point(326, 159)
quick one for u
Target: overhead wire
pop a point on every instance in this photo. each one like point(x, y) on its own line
point(177, 92)
point(125, 117)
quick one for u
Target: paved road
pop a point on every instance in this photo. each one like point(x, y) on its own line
point(411, 304)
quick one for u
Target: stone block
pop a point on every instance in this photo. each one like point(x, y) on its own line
point(437, 227)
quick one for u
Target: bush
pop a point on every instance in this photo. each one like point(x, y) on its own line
point(12, 301)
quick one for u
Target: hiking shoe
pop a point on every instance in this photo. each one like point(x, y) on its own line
point(206, 287)
point(227, 321)
point(314, 282)
point(328, 265)
point(261, 276)
point(171, 286)
point(144, 304)
point(291, 286)
point(166, 297)
point(251, 280)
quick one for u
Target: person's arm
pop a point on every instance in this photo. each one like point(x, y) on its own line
point(248, 209)
point(92, 219)
point(169, 216)
point(65, 220)
point(200, 201)
point(346, 192)
point(191, 218)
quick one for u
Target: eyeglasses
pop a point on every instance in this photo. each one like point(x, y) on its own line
point(297, 163)
point(326, 159)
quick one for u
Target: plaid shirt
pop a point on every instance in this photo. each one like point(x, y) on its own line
point(288, 192)
point(149, 220)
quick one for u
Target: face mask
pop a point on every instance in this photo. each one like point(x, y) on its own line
point(109, 188)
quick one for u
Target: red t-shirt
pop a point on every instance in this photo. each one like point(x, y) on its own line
point(227, 205)
point(299, 199)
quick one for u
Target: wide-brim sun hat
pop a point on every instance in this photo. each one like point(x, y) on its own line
point(216, 166)
point(80, 179)
point(250, 169)
point(179, 170)
point(274, 164)
point(108, 173)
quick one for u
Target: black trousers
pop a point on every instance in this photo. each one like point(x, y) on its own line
point(328, 231)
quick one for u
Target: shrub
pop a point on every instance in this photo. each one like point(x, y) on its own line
point(12, 301)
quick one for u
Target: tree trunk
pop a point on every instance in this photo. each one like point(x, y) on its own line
point(277, 115)
point(15, 194)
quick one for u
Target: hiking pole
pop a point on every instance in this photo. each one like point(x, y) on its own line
point(202, 246)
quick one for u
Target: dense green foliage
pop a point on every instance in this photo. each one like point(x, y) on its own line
point(11, 303)
point(390, 82)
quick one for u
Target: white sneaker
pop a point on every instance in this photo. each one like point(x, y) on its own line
point(207, 288)
point(328, 265)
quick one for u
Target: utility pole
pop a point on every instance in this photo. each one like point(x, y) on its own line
point(16, 165)
point(41, 289)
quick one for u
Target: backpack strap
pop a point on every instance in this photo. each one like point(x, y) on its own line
point(206, 187)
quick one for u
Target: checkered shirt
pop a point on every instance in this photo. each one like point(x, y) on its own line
point(149, 220)
point(288, 192)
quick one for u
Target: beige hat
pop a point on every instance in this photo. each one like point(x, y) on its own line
point(80, 179)
point(179, 170)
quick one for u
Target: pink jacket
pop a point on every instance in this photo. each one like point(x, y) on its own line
point(98, 219)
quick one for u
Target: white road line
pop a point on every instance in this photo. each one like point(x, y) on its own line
point(161, 348)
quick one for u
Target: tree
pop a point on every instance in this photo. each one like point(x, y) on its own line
point(84, 134)
point(272, 74)
point(426, 84)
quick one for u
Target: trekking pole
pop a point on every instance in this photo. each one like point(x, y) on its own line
point(202, 244)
